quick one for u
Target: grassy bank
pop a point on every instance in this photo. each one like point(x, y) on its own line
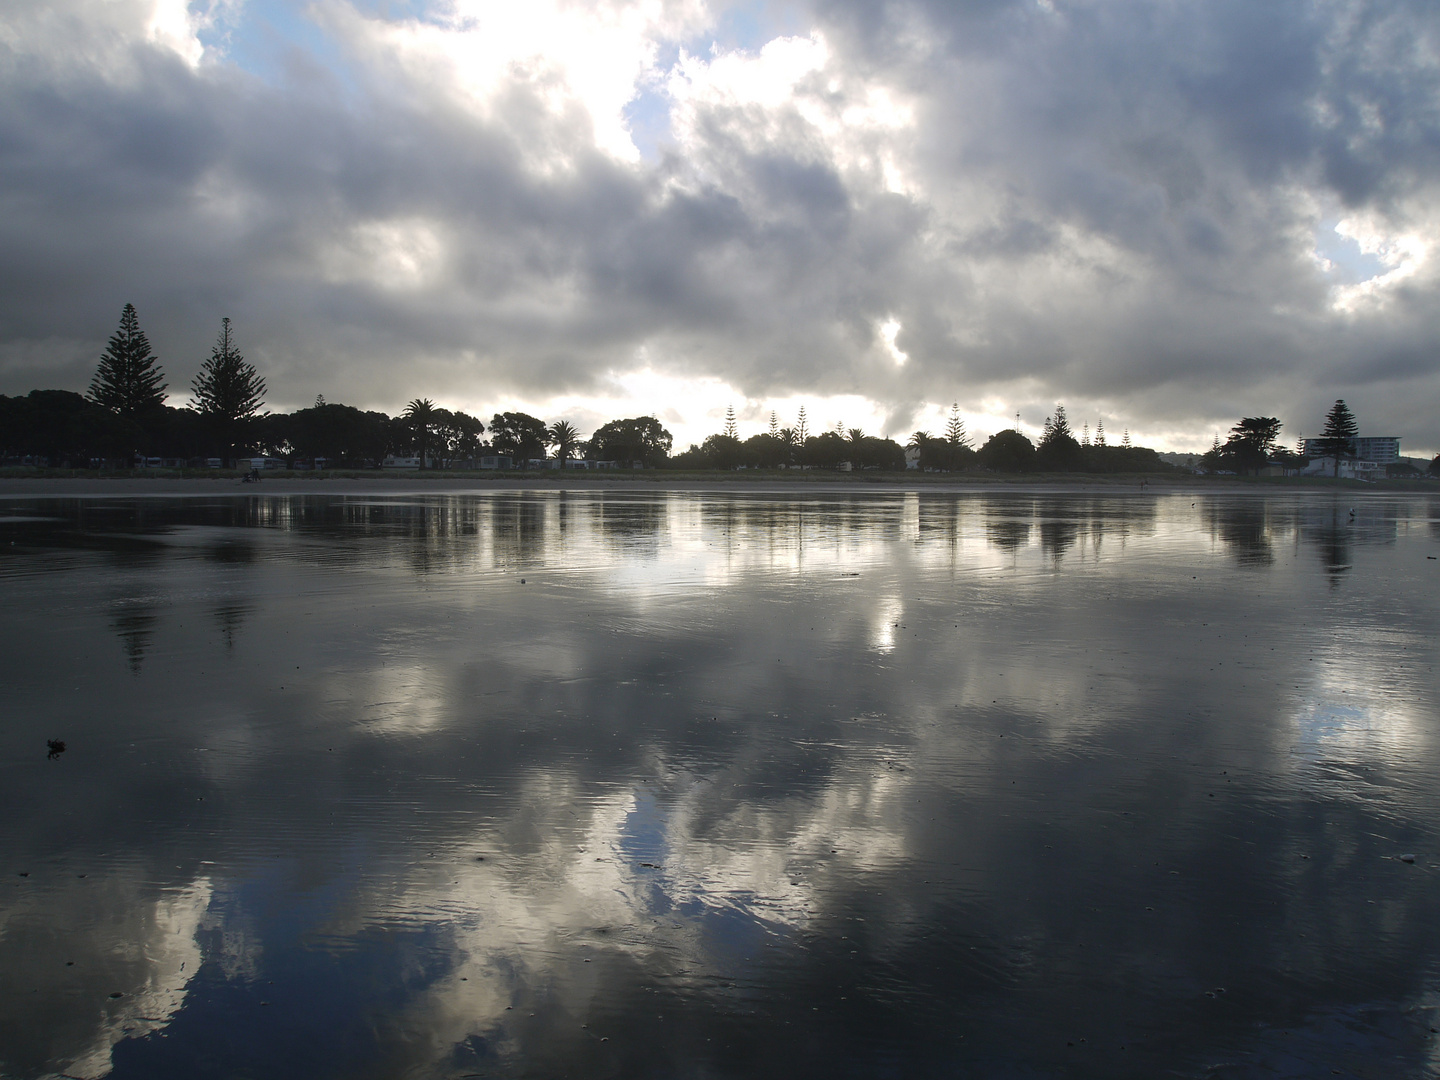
point(131, 479)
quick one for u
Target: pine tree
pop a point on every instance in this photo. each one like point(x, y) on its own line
point(1085, 434)
point(730, 430)
point(1099, 432)
point(1337, 440)
point(1125, 439)
point(955, 429)
point(1340, 429)
point(774, 425)
point(227, 392)
point(802, 432)
point(1061, 427)
point(1057, 429)
point(128, 381)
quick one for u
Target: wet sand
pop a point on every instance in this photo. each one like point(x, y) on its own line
point(843, 781)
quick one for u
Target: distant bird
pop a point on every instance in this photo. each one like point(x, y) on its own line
point(57, 747)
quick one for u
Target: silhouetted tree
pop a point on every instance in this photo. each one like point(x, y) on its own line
point(1251, 443)
point(937, 454)
point(564, 438)
point(342, 434)
point(826, 450)
point(722, 451)
point(789, 442)
point(920, 442)
point(420, 415)
point(872, 452)
point(1007, 451)
point(1337, 440)
point(128, 381)
point(519, 435)
point(457, 435)
point(765, 451)
point(228, 392)
point(641, 438)
point(955, 430)
point(1058, 449)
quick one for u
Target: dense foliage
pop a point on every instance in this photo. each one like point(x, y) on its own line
point(125, 418)
point(1250, 447)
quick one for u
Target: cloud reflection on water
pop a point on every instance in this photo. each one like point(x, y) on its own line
point(891, 757)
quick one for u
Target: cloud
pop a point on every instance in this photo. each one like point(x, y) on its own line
point(1105, 203)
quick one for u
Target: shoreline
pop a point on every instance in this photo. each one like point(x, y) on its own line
point(88, 486)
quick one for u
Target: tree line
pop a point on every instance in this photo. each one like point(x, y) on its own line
point(1007, 451)
point(1254, 444)
point(124, 416)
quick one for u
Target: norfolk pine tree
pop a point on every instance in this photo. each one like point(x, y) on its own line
point(228, 392)
point(1338, 438)
point(128, 381)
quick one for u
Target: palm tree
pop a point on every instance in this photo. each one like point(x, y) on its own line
point(421, 415)
point(564, 438)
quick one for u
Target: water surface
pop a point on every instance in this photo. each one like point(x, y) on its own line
point(719, 785)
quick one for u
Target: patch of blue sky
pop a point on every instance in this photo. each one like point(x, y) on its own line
point(647, 117)
point(395, 10)
point(1349, 264)
point(263, 32)
point(258, 35)
point(746, 26)
point(749, 25)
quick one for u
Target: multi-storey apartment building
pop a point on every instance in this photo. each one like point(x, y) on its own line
point(1381, 449)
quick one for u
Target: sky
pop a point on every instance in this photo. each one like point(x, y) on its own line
point(1164, 214)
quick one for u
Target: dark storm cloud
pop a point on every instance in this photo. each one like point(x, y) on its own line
point(1110, 203)
point(1199, 143)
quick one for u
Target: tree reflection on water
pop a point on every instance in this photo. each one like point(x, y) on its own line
point(732, 785)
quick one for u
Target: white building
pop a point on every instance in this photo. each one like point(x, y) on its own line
point(1380, 449)
point(1345, 468)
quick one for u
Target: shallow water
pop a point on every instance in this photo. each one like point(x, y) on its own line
point(684, 785)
